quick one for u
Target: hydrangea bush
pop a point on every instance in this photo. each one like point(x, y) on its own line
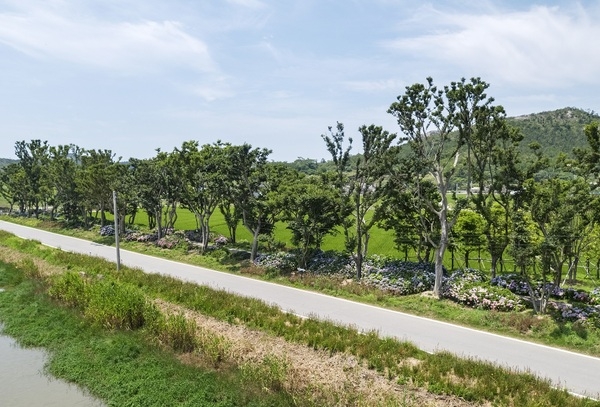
point(570, 312)
point(330, 262)
point(281, 261)
point(107, 230)
point(570, 303)
point(399, 277)
point(470, 287)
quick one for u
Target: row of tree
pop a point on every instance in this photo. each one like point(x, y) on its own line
point(401, 183)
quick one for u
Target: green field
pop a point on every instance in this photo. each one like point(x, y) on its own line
point(382, 241)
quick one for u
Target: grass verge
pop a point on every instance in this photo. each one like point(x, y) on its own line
point(523, 325)
point(441, 374)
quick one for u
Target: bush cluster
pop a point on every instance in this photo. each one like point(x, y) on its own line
point(581, 305)
point(329, 263)
point(470, 287)
point(279, 262)
point(170, 239)
point(141, 237)
point(107, 230)
point(104, 302)
point(399, 277)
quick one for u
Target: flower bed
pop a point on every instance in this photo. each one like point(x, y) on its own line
point(470, 287)
point(570, 304)
point(399, 277)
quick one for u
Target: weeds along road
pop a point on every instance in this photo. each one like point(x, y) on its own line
point(576, 372)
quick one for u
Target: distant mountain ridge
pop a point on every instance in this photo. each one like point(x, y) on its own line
point(6, 161)
point(556, 131)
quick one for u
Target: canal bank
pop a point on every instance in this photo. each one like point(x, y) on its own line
point(24, 383)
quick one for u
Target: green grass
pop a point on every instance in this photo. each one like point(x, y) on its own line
point(122, 359)
point(119, 367)
point(382, 241)
point(524, 325)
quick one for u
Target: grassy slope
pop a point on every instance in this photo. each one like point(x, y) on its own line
point(128, 372)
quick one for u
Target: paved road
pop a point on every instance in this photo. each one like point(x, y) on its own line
point(578, 373)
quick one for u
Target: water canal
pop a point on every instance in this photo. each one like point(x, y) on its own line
point(23, 382)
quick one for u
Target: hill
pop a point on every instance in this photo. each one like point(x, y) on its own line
point(556, 131)
point(6, 161)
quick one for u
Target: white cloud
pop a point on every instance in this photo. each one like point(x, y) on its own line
point(543, 46)
point(254, 4)
point(375, 86)
point(53, 31)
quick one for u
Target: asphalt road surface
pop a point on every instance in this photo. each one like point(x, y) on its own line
point(579, 374)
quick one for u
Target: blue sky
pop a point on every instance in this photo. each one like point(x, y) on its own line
point(134, 76)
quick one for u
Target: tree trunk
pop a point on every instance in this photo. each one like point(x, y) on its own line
point(254, 251)
point(494, 265)
point(439, 253)
point(358, 260)
point(158, 220)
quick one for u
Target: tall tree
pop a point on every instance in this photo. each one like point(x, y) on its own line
point(62, 172)
point(427, 116)
point(402, 210)
point(252, 186)
point(366, 188)
point(13, 186)
point(496, 171)
point(565, 212)
point(311, 209)
point(468, 233)
point(33, 158)
point(227, 206)
point(204, 170)
point(95, 182)
point(153, 187)
point(588, 159)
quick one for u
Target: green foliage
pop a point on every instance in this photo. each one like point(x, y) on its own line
point(270, 374)
point(105, 302)
point(70, 289)
point(175, 331)
point(557, 131)
point(119, 367)
point(116, 306)
point(438, 372)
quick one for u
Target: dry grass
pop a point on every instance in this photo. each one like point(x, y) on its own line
point(312, 377)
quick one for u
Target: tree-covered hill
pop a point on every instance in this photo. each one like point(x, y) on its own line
point(6, 161)
point(556, 131)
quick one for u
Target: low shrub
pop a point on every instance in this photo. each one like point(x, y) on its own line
point(513, 282)
point(270, 374)
point(570, 312)
point(399, 277)
point(174, 331)
point(280, 262)
point(329, 262)
point(116, 305)
point(214, 347)
point(107, 230)
point(70, 289)
point(105, 302)
point(141, 237)
point(470, 287)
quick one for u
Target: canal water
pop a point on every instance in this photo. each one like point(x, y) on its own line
point(23, 382)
